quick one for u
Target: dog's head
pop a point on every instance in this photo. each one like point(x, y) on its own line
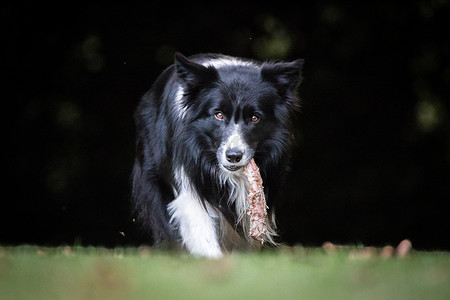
point(238, 108)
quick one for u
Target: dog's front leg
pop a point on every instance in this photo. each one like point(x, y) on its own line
point(196, 224)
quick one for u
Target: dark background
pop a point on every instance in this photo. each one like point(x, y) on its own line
point(371, 162)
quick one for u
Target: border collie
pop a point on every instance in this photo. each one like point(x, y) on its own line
point(202, 121)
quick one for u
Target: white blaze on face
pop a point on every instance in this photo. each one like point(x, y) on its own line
point(235, 141)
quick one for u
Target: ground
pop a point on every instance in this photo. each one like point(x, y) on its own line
point(329, 272)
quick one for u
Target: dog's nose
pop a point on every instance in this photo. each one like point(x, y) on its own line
point(234, 155)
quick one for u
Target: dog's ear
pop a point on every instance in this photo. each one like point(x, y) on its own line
point(285, 75)
point(193, 74)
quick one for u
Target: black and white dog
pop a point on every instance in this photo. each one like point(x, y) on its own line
point(202, 121)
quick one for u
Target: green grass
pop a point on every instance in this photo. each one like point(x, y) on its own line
point(287, 273)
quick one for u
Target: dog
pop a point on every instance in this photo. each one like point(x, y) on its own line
point(203, 120)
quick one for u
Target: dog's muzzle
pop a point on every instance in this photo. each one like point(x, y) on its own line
point(234, 153)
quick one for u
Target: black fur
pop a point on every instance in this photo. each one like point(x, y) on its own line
point(175, 132)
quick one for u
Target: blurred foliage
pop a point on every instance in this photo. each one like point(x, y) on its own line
point(372, 158)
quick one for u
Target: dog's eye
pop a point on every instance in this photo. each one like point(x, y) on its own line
point(255, 119)
point(219, 115)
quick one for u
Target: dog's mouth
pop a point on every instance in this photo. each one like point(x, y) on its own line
point(232, 168)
